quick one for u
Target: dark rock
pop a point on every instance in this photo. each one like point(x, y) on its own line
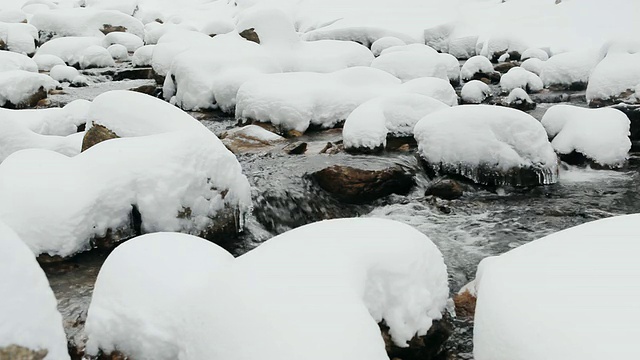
point(490, 176)
point(633, 113)
point(15, 352)
point(597, 103)
point(354, 185)
point(579, 159)
point(296, 148)
point(428, 347)
point(108, 28)
point(505, 66)
point(447, 189)
point(238, 142)
point(3, 45)
point(31, 102)
point(575, 86)
point(465, 304)
point(401, 143)
point(490, 78)
point(251, 35)
point(139, 73)
point(96, 135)
point(151, 90)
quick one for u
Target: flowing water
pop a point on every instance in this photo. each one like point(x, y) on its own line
point(482, 223)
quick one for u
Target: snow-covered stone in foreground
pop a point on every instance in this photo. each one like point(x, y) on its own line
point(436, 88)
point(19, 38)
point(96, 56)
point(64, 73)
point(28, 308)
point(384, 43)
point(46, 61)
point(496, 46)
point(51, 121)
point(19, 88)
point(475, 92)
point(617, 74)
point(130, 41)
point(533, 65)
point(518, 77)
point(69, 49)
point(601, 135)
point(489, 145)
point(14, 61)
point(570, 69)
point(560, 296)
point(298, 287)
point(519, 99)
point(408, 65)
point(175, 172)
point(476, 65)
point(534, 53)
point(143, 56)
point(118, 52)
point(368, 126)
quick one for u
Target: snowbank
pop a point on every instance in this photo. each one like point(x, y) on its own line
point(29, 315)
point(298, 287)
point(95, 56)
point(176, 173)
point(489, 145)
point(496, 46)
point(64, 73)
point(475, 92)
point(370, 123)
point(51, 121)
point(118, 52)
point(14, 61)
point(518, 77)
point(617, 73)
point(17, 87)
point(143, 56)
point(602, 135)
point(534, 53)
point(533, 65)
point(547, 300)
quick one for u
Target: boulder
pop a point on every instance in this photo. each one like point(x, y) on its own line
point(465, 304)
point(249, 138)
point(504, 67)
point(353, 185)
point(95, 135)
point(427, 347)
point(251, 35)
point(445, 189)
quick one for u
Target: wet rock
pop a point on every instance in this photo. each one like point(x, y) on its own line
point(96, 135)
point(108, 28)
point(633, 113)
point(31, 102)
point(574, 86)
point(428, 347)
point(15, 352)
point(489, 176)
point(146, 89)
point(519, 99)
point(465, 304)
point(333, 148)
point(490, 78)
point(296, 148)
point(251, 35)
point(139, 73)
point(354, 185)
point(505, 66)
point(447, 189)
point(548, 96)
point(292, 134)
point(579, 159)
point(250, 138)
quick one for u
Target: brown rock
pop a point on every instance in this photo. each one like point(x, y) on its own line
point(428, 347)
point(97, 134)
point(251, 35)
point(292, 134)
point(3, 45)
point(445, 189)
point(296, 148)
point(465, 304)
point(145, 89)
point(354, 185)
point(238, 142)
point(31, 102)
point(15, 352)
point(505, 66)
point(108, 28)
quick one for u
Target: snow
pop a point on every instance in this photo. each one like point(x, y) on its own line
point(463, 47)
point(16, 136)
point(436, 88)
point(118, 52)
point(69, 49)
point(95, 56)
point(370, 123)
point(64, 73)
point(84, 22)
point(171, 44)
point(534, 53)
point(600, 134)
point(381, 44)
point(14, 61)
point(568, 68)
point(13, 16)
point(143, 56)
point(124, 6)
point(470, 136)
point(408, 65)
point(533, 65)
point(475, 92)
point(494, 45)
point(51, 121)
point(28, 309)
point(617, 73)
point(524, 295)
point(518, 94)
point(46, 62)
point(130, 41)
point(518, 77)
point(19, 37)
point(165, 162)
point(16, 86)
point(255, 132)
point(349, 275)
point(474, 65)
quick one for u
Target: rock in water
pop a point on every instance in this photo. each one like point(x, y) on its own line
point(96, 135)
point(354, 185)
point(446, 189)
point(427, 347)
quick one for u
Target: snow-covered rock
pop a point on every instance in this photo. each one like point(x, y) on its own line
point(173, 43)
point(29, 315)
point(118, 52)
point(489, 145)
point(526, 293)
point(128, 40)
point(124, 6)
point(69, 49)
point(614, 77)
point(436, 88)
point(18, 37)
point(519, 99)
point(533, 65)
point(175, 172)
point(475, 92)
point(570, 69)
point(13, 16)
point(381, 44)
point(496, 46)
point(347, 273)
point(143, 56)
point(17, 136)
point(408, 65)
point(95, 56)
point(19, 88)
point(51, 121)
point(14, 61)
point(518, 77)
point(534, 53)
point(368, 126)
point(63, 73)
point(463, 47)
point(46, 62)
point(601, 135)
point(476, 66)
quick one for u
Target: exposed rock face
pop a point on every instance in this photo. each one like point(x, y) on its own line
point(108, 28)
point(490, 78)
point(15, 352)
point(354, 185)
point(465, 304)
point(296, 148)
point(445, 189)
point(251, 35)
point(96, 135)
point(575, 86)
point(506, 66)
point(427, 347)
point(134, 74)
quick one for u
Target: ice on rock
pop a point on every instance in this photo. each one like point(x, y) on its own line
point(349, 274)
point(143, 56)
point(176, 173)
point(569, 69)
point(368, 126)
point(69, 49)
point(525, 293)
point(18, 86)
point(46, 62)
point(474, 65)
point(518, 77)
point(29, 315)
point(601, 135)
point(19, 37)
point(616, 75)
point(129, 41)
point(489, 145)
point(118, 52)
point(384, 43)
point(475, 92)
point(534, 53)
point(95, 56)
point(408, 65)
point(533, 65)
point(14, 61)
point(436, 88)
point(83, 21)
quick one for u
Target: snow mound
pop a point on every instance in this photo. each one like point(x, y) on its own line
point(570, 68)
point(173, 43)
point(18, 86)
point(84, 22)
point(130, 41)
point(518, 94)
point(51, 121)
point(29, 315)
point(475, 92)
point(496, 46)
point(69, 49)
point(118, 52)
point(13, 61)
point(436, 88)
point(19, 37)
point(13, 16)
point(408, 65)
point(518, 77)
point(601, 135)
point(143, 56)
point(16, 136)
point(534, 53)
point(617, 73)
point(96, 56)
point(475, 65)
point(370, 123)
point(384, 43)
point(124, 6)
point(527, 292)
point(347, 273)
point(489, 145)
point(46, 62)
point(533, 65)
point(63, 73)
point(176, 173)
